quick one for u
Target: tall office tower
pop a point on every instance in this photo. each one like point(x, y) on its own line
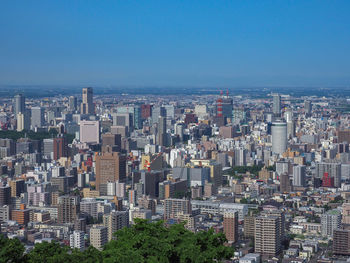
point(332, 169)
point(240, 157)
point(89, 131)
point(285, 183)
point(227, 107)
point(146, 111)
point(299, 175)
point(37, 117)
point(279, 137)
point(76, 240)
point(72, 103)
point(330, 221)
point(110, 167)
point(111, 142)
point(346, 213)
point(87, 106)
point(158, 112)
point(290, 129)
point(308, 108)
point(59, 148)
point(341, 242)
point(267, 235)
point(162, 135)
point(114, 221)
point(98, 236)
point(135, 112)
point(174, 206)
point(276, 108)
point(17, 187)
point(5, 195)
point(48, 148)
point(123, 119)
point(68, 208)
point(19, 104)
point(20, 122)
point(231, 226)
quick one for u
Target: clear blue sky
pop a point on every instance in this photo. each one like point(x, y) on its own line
point(201, 43)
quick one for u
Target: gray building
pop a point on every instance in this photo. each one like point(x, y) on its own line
point(37, 117)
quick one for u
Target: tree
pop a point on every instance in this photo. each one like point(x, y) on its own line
point(154, 242)
point(49, 252)
point(11, 250)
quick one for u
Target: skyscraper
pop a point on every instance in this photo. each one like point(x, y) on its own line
point(19, 104)
point(308, 107)
point(231, 226)
point(276, 108)
point(37, 117)
point(268, 235)
point(110, 167)
point(87, 106)
point(72, 103)
point(299, 175)
point(279, 137)
point(59, 148)
point(162, 136)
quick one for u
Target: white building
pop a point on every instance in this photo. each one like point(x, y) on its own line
point(76, 240)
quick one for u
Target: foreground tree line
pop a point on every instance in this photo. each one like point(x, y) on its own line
point(142, 242)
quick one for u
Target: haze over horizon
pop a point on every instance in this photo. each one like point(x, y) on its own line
point(195, 43)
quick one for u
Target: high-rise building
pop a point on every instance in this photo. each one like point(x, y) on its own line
point(98, 236)
point(285, 183)
point(23, 121)
point(110, 167)
point(330, 221)
point(17, 187)
point(68, 208)
point(346, 213)
point(299, 175)
point(114, 221)
point(72, 104)
point(146, 111)
point(173, 206)
point(276, 108)
point(158, 112)
point(268, 235)
point(76, 240)
point(111, 141)
point(59, 148)
point(332, 169)
point(5, 195)
point(87, 106)
point(162, 135)
point(308, 108)
point(19, 104)
point(37, 120)
point(90, 131)
point(231, 226)
point(249, 226)
point(279, 137)
point(341, 242)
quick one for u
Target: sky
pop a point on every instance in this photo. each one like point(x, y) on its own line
point(175, 43)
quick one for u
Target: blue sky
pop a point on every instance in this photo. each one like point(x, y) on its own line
point(170, 43)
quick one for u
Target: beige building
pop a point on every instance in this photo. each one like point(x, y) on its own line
point(98, 236)
point(267, 235)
